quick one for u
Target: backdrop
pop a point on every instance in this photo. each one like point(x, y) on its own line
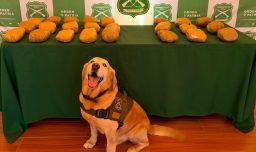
point(236, 13)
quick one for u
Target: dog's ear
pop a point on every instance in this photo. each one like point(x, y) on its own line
point(113, 78)
point(85, 67)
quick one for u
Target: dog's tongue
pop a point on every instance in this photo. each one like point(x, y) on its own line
point(93, 81)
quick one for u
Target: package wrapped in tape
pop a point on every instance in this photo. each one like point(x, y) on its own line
point(158, 20)
point(71, 19)
point(14, 35)
point(88, 35)
point(184, 27)
point(104, 21)
point(196, 35)
point(227, 34)
point(109, 35)
point(50, 26)
point(203, 21)
point(28, 26)
point(88, 18)
point(182, 20)
point(214, 26)
point(114, 27)
point(54, 19)
point(167, 36)
point(39, 35)
point(163, 26)
point(70, 25)
point(92, 25)
point(36, 21)
point(65, 35)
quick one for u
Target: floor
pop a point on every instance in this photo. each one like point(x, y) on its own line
point(204, 134)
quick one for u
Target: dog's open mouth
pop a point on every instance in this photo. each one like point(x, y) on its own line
point(94, 80)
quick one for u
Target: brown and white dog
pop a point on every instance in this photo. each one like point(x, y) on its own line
point(99, 90)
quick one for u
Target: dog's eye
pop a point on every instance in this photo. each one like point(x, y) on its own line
point(91, 61)
point(104, 64)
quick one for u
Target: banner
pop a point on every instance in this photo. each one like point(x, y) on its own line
point(240, 14)
point(246, 18)
point(223, 10)
point(99, 8)
point(65, 8)
point(38, 8)
point(192, 9)
point(166, 9)
point(134, 12)
point(9, 14)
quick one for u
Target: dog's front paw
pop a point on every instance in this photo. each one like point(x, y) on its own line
point(88, 144)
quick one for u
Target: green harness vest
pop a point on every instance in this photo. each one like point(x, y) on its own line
point(117, 111)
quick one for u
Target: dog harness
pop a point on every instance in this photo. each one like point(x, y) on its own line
point(117, 111)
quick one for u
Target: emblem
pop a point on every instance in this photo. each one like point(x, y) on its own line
point(1, 33)
point(251, 34)
point(222, 12)
point(133, 7)
point(118, 104)
point(36, 9)
point(163, 11)
point(101, 10)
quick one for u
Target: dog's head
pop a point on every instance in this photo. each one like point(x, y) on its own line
point(97, 76)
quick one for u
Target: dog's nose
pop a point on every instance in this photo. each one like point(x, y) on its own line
point(95, 66)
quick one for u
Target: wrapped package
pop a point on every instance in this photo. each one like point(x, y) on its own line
point(214, 26)
point(184, 27)
point(163, 26)
point(88, 35)
point(182, 20)
point(54, 19)
point(88, 18)
point(71, 19)
point(196, 35)
point(158, 20)
point(65, 35)
point(167, 36)
point(92, 25)
point(14, 35)
point(109, 35)
point(227, 34)
point(36, 21)
point(104, 21)
point(39, 35)
point(50, 26)
point(28, 26)
point(114, 26)
point(203, 21)
point(71, 25)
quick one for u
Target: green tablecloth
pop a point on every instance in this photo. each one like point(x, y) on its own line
point(43, 80)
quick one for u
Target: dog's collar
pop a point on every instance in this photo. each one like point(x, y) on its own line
point(94, 99)
point(117, 111)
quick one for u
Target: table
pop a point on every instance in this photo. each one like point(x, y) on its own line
point(43, 80)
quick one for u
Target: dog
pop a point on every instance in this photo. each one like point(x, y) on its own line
point(126, 121)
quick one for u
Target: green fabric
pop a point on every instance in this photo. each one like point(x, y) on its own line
point(43, 80)
point(121, 105)
point(123, 102)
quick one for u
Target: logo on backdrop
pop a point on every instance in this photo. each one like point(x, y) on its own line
point(133, 7)
point(36, 9)
point(101, 10)
point(163, 11)
point(222, 12)
point(1, 33)
point(251, 34)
